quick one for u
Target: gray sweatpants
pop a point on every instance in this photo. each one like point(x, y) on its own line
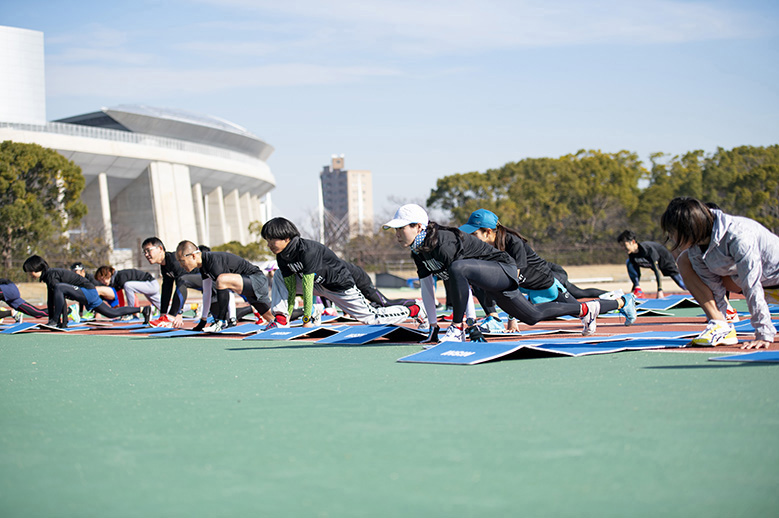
point(351, 301)
point(149, 289)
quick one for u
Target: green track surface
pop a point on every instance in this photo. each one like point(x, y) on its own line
point(115, 426)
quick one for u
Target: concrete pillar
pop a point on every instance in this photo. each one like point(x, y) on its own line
point(132, 213)
point(232, 207)
point(248, 215)
point(218, 231)
point(200, 215)
point(174, 212)
point(98, 219)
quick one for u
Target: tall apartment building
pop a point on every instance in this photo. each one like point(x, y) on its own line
point(347, 196)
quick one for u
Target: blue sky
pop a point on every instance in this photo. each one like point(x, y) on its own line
point(416, 90)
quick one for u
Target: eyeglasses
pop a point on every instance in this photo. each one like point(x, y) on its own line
point(147, 250)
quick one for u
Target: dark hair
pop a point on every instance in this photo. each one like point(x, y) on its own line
point(186, 247)
point(104, 272)
point(431, 236)
point(153, 241)
point(35, 263)
point(627, 235)
point(500, 236)
point(687, 221)
point(204, 248)
point(279, 228)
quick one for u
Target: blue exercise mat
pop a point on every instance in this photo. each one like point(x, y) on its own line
point(360, 335)
point(758, 356)
point(290, 333)
point(666, 303)
point(745, 327)
point(18, 328)
point(472, 353)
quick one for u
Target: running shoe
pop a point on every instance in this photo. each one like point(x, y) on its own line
point(638, 293)
point(277, 323)
point(88, 315)
point(219, 325)
point(475, 334)
point(717, 333)
point(163, 321)
point(146, 313)
point(731, 315)
point(491, 325)
point(18, 316)
point(629, 309)
point(589, 320)
point(453, 334)
point(73, 313)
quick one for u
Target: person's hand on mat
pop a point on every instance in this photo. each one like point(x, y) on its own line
point(512, 326)
point(178, 322)
point(756, 344)
point(660, 294)
point(200, 326)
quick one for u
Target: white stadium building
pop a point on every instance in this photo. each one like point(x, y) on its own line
point(149, 171)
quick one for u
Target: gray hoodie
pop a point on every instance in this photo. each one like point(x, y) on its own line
point(747, 252)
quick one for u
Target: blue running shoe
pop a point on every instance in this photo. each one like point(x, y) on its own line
point(629, 309)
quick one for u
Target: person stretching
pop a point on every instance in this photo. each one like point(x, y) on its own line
point(652, 255)
point(449, 253)
point(62, 284)
point(725, 253)
point(536, 279)
point(311, 268)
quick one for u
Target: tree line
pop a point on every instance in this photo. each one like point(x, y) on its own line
point(573, 207)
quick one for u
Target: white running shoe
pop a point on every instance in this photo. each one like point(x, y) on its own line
point(589, 320)
point(717, 332)
point(453, 334)
point(731, 315)
point(611, 295)
point(18, 316)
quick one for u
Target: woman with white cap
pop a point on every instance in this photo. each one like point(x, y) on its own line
point(449, 253)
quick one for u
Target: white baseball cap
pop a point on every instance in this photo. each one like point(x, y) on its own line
point(406, 215)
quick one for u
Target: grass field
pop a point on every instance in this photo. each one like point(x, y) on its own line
point(117, 426)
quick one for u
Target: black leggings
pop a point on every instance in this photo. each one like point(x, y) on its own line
point(223, 299)
point(493, 279)
point(60, 292)
point(29, 309)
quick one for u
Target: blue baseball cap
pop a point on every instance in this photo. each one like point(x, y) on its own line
point(481, 218)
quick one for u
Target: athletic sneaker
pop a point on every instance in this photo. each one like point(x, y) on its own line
point(163, 321)
point(475, 334)
point(18, 316)
point(146, 313)
point(88, 315)
point(453, 334)
point(589, 320)
point(421, 317)
point(219, 325)
point(731, 315)
point(73, 313)
point(629, 309)
point(638, 293)
point(276, 323)
point(491, 325)
point(717, 332)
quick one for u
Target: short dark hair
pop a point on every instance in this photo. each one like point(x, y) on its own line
point(687, 221)
point(35, 263)
point(153, 241)
point(279, 228)
point(186, 247)
point(627, 235)
point(204, 248)
point(104, 272)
